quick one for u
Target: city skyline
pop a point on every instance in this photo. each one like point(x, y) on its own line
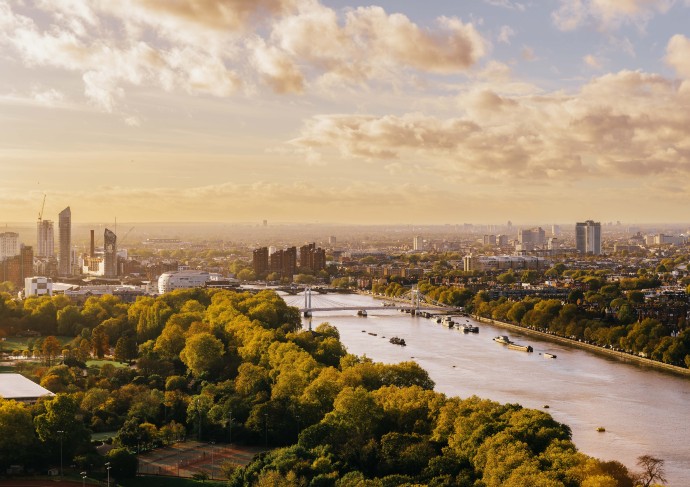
point(345, 112)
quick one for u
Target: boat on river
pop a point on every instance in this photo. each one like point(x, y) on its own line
point(398, 341)
point(467, 328)
point(521, 348)
point(549, 355)
point(362, 313)
point(502, 339)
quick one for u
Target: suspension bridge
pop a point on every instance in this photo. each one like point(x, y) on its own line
point(412, 301)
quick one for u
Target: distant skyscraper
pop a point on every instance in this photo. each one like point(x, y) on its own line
point(9, 245)
point(331, 240)
point(110, 253)
point(65, 235)
point(418, 243)
point(588, 237)
point(45, 239)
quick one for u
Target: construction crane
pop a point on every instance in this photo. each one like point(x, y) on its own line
point(40, 214)
point(122, 240)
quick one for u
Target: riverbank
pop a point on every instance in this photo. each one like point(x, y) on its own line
point(622, 356)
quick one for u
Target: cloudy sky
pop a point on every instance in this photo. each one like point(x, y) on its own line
point(398, 111)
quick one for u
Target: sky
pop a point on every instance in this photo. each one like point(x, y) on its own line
point(401, 112)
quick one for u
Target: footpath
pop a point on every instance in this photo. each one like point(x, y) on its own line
point(620, 355)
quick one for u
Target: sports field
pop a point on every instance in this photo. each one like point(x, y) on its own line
point(193, 457)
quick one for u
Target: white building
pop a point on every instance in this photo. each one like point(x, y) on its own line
point(661, 239)
point(38, 286)
point(19, 388)
point(170, 281)
point(9, 245)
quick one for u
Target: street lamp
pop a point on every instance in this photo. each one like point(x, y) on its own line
point(61, 432)
point(83, 479)
point(213, 464)
point(107, 468)
point(230, 432)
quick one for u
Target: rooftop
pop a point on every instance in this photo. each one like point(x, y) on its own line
point(19, 388)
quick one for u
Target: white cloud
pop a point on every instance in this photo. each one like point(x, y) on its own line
point(220, 47)
point(678, 55)
point(592, 61)
point(628, 124)
point(506, 33)
point(607, 14)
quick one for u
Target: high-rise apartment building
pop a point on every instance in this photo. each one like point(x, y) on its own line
point(260, 261)
point(588, 237)
point(312, 258)
point(417, 243)
point(18, 267)
point(110, 253)
point(65, 239)
point(9, 245)
point(284, 262)
point(45, 239)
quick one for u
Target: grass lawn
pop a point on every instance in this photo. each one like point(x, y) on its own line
point(101, 363)
point(19, 343)
point(103, 436)
point(152, 481)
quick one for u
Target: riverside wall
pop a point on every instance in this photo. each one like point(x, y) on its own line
point(622, 356)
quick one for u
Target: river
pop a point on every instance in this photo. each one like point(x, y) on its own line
point(643, 410)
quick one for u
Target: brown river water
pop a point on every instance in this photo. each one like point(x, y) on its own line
point(644, 410)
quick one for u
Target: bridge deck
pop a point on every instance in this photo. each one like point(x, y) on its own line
point(357, 308)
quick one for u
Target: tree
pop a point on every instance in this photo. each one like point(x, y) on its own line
point(51, 348)
point(652, 471)
point(123, 464)
point(507, 278)
point(99, 341)
point(17, 432)
point(202, 353)
point(126, 349)
point(246, 275)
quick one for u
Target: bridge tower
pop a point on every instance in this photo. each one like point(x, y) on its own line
point(307, 302)
point(415, 299)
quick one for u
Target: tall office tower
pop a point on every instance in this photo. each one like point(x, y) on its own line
point(555, 230)
point(45, 239)
point(9, 245)
point(332, 240)
point(109, 253)
point(588, 237)
point(65, 236)
point(260, 261)
point(418, 243)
